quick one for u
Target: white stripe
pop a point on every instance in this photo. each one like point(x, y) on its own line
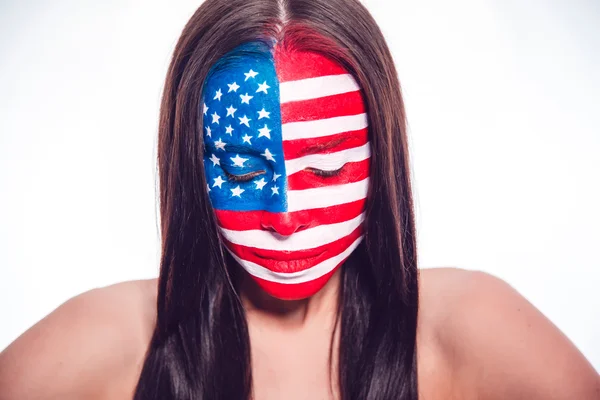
point(307, 275)
point(302, 240)
point(327, 196)
point(313, 88)
point(323, 127)
point(328, 161)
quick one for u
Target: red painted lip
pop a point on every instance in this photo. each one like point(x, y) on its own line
point(280, 261)
point(288, 255)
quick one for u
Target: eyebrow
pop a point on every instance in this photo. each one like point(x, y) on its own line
point(318, 147)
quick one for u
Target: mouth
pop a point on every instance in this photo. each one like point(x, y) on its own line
point(289, 261)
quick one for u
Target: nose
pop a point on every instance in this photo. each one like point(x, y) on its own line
point(284, 223)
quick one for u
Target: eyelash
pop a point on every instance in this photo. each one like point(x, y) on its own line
point(249, 176)
point(245, 177)
point(325, 173)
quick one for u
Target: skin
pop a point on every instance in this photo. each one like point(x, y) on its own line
point(478, 338)
point(270, 232)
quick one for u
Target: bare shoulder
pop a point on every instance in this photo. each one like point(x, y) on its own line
point(492, 343)
point(92, 346)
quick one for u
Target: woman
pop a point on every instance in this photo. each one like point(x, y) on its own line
point(289, 265)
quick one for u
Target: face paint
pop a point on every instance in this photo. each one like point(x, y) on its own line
point(287, 165)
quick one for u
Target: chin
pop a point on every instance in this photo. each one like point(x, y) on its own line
point(294, 291)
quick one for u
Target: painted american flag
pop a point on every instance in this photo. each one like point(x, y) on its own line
point(287, 166)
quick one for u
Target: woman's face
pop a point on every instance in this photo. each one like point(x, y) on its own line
point(287, 166)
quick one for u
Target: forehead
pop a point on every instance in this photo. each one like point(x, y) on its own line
point(240, 97)
point(254, 90)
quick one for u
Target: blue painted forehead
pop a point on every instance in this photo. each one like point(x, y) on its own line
point(241, 97)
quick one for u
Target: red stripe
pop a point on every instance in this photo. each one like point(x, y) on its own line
point(247, 220)
point(345, 140)
point(296, 65)
point(294, 261)
point(351, 172)
point(295, 291)
point(338, 105)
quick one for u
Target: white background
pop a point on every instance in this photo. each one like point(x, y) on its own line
point(503, 103)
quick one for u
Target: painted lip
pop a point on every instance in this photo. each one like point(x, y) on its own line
point(280, 261)
point(288, 255)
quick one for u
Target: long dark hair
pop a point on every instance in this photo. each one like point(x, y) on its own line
point(200, 348)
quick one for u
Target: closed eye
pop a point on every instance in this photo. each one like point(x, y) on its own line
point(245, 177)
point(325, 173)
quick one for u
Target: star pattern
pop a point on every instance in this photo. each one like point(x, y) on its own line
point(263, 114)
point(237, 191)
point(266, 132)
point(218, 95)
point(250, 74)
point(233, 87)
point(267, 154)
point(263, 87)
point(246, 98)
point(246, 93)
point(218, 181)
point(245, 121)
point(231, 111)
point(238, 161)
point(220, 145)
point(260, 183)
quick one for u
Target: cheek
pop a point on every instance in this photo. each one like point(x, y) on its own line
point(238, 220)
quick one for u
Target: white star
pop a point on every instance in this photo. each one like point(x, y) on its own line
point(267, 154)
point(245, 98)
point(246, 138)
point(218, 182)
point(231, 111)
point(238, 161)
point(250, 74)
point(216, 118)
point(218, 95)
point(275, 176)
point(263, 114)
point(205, 109)
point(262, 87)
point(275, 190)
point(264, 132)
point(216, 160)
point(260, 184)
point(220, 145)
point(208, 131)
point(233, 87)
point(208, 187)
point(229, 130)
point(245, 121)
point(237, 191)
